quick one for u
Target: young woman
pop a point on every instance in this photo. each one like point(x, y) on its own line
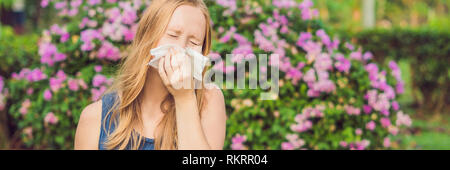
point(142, 109)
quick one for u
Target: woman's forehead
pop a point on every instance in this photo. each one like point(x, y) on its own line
point(189, 20)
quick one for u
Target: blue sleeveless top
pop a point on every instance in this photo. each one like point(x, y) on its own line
point(107, 103)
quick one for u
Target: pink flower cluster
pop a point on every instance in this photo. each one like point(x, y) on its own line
point(87, 36)
point(379, 102)
point(399, 88)
point(302, 120)
point(284, 3)
point(378, 80)
point(108, 51)
point(50, 118)
point(294, 142)
point(230, 6)
point(57, 82)
point(342, 64)
point(352, 110)
point(307, 12)
point(237, 142)
point(359, 145)
point(24, 107)
point(403, 119)
point(331, 45)
point(56, 30)
point(49, 54)
point(30, 75)
point(371, 125)
point(99, 82)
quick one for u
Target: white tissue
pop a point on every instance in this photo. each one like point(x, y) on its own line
point(199, 60)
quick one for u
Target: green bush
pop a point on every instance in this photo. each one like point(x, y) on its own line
point(16, 51)
point(427, 52)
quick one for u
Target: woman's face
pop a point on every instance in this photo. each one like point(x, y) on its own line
point(186, 28)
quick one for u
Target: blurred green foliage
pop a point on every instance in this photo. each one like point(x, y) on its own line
point(16, 51)
point(426, 51)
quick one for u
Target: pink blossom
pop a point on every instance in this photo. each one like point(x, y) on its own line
point(129, 16)
point(386, 142)
point(55, 84)
point(367, 109)
point(393, 130)
point(44, 3)
point(356, 55)
point(129, 33)
point(294, 74)
point(371, 125)
point(305, 4)
point(323, 62)
point(304, 36)
point(237, 142)
point(82, 84)
point(395, 105)
point(403, 119)
point(61, 75)
point(228, 35)
point(47, 95)
point(109, 51)
point(96, 93)
point(367, 56)
point(342, 64)
point(29, 90)
point(310, 76)
point(98, 68)
point(294, 142)
point(94, 2)
point(287, 146)
point(230, 6)
point(349, 46)
point(284, 3)
point(60, 5)
point(385, 122)
point(98, 80)
point(50, 118)
point(76, 3)
point(352, 110)
point(24, 107)
point(358, 131)
point(73, 84)
point(378, 102)
point(36, 75)
point(64, 37)
point(87, 36)
point(400, 87)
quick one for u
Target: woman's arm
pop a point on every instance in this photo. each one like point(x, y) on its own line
point(193, 132)
point(207, 132)
point(88, 131)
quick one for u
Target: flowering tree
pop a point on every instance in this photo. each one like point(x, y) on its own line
point(332, 96)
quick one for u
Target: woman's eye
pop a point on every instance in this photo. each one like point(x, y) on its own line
point(194, 43)
point(171, 35)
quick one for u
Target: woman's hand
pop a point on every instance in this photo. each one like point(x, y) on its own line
point(176, 73)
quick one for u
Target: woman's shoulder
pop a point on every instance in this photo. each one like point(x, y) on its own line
point(92, 111)
point(213, 92)
point(88, 130)
point(214, 99)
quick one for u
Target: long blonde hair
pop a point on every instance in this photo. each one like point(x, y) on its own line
point(131, 76)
